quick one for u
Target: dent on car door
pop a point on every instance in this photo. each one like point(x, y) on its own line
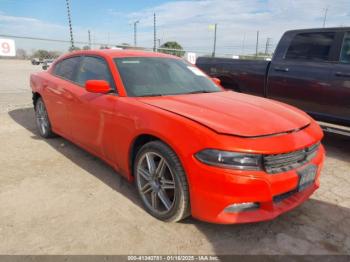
point(92, 114)
point(302, 77)
point(340, 82)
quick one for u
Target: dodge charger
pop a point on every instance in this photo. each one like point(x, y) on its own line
point(190, 147)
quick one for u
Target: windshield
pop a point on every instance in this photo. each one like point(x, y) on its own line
point(155, 76)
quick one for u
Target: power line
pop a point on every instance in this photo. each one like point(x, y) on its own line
point(48, 39)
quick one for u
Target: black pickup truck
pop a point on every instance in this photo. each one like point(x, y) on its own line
point(310, 69)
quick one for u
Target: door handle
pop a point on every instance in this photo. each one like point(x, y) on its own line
point(281, 69)
point(342, 74)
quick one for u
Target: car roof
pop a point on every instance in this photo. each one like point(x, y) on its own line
point(316, 30)
point(115, 53)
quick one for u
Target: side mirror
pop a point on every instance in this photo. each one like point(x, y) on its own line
point(216, 80)
point(97, 86)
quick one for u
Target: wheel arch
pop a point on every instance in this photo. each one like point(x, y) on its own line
point(184, 206)
point(141, 140)
point(135, 146)
point(35, 97)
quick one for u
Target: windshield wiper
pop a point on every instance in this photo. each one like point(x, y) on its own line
point(200, 91)
point(171, 94)
point(154, 94)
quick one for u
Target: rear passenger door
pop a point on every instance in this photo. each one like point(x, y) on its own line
point(58, 95)
point(340, 82)
point(302, 76)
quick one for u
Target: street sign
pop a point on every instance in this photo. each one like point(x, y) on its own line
point(191, 57)
point(7, 47)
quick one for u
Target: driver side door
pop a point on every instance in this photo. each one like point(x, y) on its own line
point(92, 114)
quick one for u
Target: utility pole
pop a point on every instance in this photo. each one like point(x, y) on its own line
point(325, 17)
point(89, 37)
point(257, 43)
point(267, 45)
point(70, 25)
point(214, 48)
point(243, 44)
point(158, 42)
point(154, 33)
point(135, 32)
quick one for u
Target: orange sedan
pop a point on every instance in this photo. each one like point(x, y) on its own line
point(191, 147)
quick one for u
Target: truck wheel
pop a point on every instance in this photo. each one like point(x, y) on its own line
point(161, 182)
point(42, 119)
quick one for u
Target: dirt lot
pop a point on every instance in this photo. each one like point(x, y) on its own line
point(57, 199)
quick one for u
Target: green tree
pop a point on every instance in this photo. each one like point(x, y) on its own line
point(41, 54)
point(172, 45)
point(86, 47)
point(54, 54)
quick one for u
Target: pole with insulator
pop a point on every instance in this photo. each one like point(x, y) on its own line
point(70, 25)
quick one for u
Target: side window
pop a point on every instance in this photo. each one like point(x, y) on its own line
point(67, 68)
point(345, 50)
point(94, 68)
point(311, 46)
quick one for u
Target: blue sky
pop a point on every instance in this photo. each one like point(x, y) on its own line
point(184, 21)
point(108, 15)
point(86, 12)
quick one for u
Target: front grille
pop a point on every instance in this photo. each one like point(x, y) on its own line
point(283, 162)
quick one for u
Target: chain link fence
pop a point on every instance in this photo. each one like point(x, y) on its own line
point(42, 51)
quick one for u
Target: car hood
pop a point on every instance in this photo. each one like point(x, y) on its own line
point(234, 113)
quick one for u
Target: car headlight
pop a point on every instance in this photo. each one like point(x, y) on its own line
point(229, 159)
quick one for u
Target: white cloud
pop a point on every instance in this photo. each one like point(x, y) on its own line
point(26, 25)
point(32, 27)
point(187, 21)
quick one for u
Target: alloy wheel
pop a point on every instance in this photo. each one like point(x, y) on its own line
point(156, 183)
point(42, 119)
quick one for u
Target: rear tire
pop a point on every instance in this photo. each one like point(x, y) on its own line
point(161, 182)
point(42, 119)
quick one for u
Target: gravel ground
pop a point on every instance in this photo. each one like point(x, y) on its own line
point(57, 199)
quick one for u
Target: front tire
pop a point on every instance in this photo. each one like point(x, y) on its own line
point(161, 182)
point(42, 119)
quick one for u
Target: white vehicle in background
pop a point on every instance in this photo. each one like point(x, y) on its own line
point(47, 63)
point(36, 61)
